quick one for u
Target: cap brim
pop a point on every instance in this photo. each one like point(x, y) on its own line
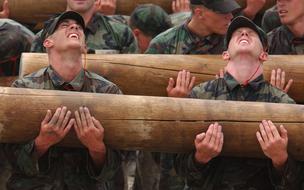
point(225, 6)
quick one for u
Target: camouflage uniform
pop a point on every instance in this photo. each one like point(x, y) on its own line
point(282, 41)
point(180, 17)
point(61, 168)
point(102, 33)
point(180, 40)
point(230, 173)
point(271, 19)
point(14, 39)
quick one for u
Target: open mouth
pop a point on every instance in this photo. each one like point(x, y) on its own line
point(73, 36)
point(282, 12)
point(243, 41)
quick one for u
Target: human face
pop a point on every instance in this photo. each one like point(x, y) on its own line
point(290, 11)
point(80, 6)
point(216, 23)
point(68, 35)
point(245, 41)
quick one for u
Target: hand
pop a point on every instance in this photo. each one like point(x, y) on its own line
point(220, 75)
point(107, 7)
point(273, 144)
point(89, 130)
point(183, 87)
point(180, 6)
point(253, 7)
point(53, 129)
point(209, 145)
point(278, 80)
point(5, 10)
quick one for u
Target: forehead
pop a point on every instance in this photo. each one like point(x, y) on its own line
point(69, 21)
point(241, 29)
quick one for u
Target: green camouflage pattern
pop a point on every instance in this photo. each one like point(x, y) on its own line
point(14, 39)
point(271, 19)
point(150, 19)
point(180, 40)
point(282, 41)
point(102, 33)
point(180, 17)
point(232, 173)
point(61, 168)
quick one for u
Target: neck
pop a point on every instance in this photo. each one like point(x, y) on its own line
point(66, 64)
point(244, 68)
point(198, 28)
point(297, 28)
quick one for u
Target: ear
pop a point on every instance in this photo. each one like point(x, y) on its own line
point(226, 56)
point(84, 49)
point(263, 56)
point(48, 43)
point(198, 12)
point(136, 32)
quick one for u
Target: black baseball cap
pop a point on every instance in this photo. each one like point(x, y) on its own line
point(66, 15)
point(242, 21)
point(221, 6)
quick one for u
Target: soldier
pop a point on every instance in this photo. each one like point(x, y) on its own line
point(288, 38)
point(103, 34)
point(146, 22)
point(271, 19)
point(39, 164)
point(243, 81)
point(15, 39)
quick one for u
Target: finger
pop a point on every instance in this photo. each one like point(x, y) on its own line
point(47, 117)
point(97, 124)
point(76, 127)
point(217, 76)
point(274, 130)
point(177, 5)
point(260, 139)
point(278, 78)
point(170, 86)
point(187, 5)
point(66, 119)
point(268, 130)
point(188, 78)
point(209, 133)
point(282, 80)
point(68, 127)
point(218, 136)
point(214, 134)
point(191, 83)
point(183, 81)
point(220, 147)
point(263, 133)
point(199, 138)
point(288, 85)
point(88, 117)
point(178, 80)
point(173, 6)
point(78, 121)
point(55, 117)
point(83, 118)
point(284, 133)
point(61, 116)
point(273, 78)
point(221, 73)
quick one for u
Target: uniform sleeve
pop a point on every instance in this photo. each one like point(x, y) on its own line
point(109, 169)
point(156, 46)
point(37, 45)
point(128, 42)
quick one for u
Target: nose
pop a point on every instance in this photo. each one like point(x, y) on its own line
point(244, 33)
point(74, 26)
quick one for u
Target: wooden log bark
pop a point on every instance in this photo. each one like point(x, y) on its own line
point(149, 74)
point(151, 123)
point(30, 11)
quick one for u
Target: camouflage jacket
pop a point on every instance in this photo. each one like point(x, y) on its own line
point(61, 168)
point(282, 41)
point(271, 19)
point(231, 173)
point(180, 40)
point(14, 39)
point(103, 35)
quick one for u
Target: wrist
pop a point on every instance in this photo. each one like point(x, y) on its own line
point(199, 158)
point(41, 144)
point(100, 148)
point(280, 162)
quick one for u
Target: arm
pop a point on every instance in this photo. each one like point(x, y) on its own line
point(5, 10)
point(106, 7)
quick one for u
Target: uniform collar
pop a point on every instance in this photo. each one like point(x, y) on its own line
point(232, 83)
point(75, 85)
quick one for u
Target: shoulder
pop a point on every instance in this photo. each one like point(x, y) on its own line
point(101, 84)
point(29, 81)
point(209, 90)
point(277, 95)
point(168, 34)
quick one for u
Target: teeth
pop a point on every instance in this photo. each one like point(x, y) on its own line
point(244, 41)
point(74, 36)
point(282, 11)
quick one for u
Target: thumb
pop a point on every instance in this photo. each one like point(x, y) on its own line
point(171, 84)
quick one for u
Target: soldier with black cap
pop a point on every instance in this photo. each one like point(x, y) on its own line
point(40, 164)
point(202, 34)
point(204, 168)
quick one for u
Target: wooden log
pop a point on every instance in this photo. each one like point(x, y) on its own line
point(149, 74)
point(151, 123)
point(31, 12)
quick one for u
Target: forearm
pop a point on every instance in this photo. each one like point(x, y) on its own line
point(40, 148)
point(98, 156)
